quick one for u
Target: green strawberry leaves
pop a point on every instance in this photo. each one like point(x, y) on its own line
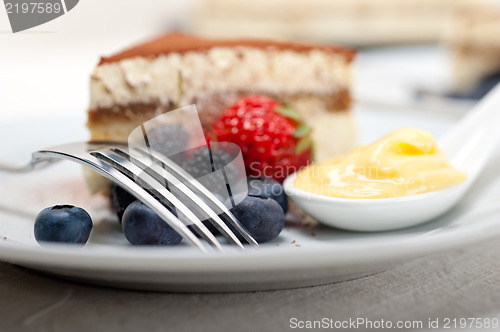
point(302, 130)
point(304, 144)
point(289, 112)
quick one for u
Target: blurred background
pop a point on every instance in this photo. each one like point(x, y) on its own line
point(430, 54)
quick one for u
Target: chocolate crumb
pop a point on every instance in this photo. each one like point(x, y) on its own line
point(313, 233)
point(292, 242)
point(277, 244)
point(297, 245)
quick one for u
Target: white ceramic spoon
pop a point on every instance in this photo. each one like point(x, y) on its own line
point(468, 146)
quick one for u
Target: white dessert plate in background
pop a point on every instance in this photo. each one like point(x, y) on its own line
point(299, 257)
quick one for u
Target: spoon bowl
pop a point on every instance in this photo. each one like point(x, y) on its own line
point(374, 215)
point(468, 146)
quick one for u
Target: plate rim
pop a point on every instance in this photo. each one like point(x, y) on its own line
point(154, 260)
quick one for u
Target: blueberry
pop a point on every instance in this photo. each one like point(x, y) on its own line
point(270, 188)
point(120, 200)
point(206, 160)
point(169, 139)
point(63, 223)
point(142, 226)
point(261, 216)
point(207, 222)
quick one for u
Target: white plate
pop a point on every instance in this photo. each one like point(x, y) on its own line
point(299, 257)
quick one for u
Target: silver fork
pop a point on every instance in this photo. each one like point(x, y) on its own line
point(147, 175)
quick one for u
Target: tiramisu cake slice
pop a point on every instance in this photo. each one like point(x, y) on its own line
point(176, 70)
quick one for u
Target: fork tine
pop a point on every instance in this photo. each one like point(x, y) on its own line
point(78, 152)
point(164, 196)
point(161, 175)
point(195, 186)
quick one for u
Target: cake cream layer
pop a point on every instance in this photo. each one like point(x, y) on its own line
point(160, 79)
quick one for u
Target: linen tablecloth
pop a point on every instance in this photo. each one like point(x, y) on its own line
point(460, 283)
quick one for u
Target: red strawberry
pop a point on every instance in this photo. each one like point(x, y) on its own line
point(272, 138)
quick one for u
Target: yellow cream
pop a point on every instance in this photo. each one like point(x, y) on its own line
point(402, 163)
